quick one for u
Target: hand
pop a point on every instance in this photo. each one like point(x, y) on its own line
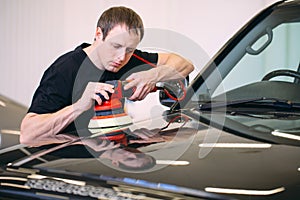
point(99, 145)
point(146, 136)
point(51, 139)
point(143, 83)
point(90, 94)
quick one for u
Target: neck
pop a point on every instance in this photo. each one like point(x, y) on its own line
point(92, 54)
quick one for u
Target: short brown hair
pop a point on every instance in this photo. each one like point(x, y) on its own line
point(120, 15)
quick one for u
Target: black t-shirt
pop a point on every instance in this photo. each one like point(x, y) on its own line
point(65, 80)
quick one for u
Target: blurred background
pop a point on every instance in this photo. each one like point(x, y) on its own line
point(34, 32)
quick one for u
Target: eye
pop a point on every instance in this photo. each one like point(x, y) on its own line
point(117, 46)
point(129, 50)
point(130, 159)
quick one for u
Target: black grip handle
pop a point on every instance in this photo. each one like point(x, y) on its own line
point(114, 83)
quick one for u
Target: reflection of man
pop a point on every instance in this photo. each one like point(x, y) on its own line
point(56, 103)
point(129, 159)
point(145, 136)
point(124, 158)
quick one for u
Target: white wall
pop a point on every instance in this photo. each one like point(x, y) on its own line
point(35, 32)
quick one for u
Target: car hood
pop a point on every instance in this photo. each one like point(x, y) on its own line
point(222, 168)
point(199, 158)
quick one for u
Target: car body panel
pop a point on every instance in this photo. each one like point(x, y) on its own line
point(230, 138)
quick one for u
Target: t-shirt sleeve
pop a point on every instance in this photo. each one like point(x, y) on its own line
point(143, 57)
point(52, 93)
point(139, 61)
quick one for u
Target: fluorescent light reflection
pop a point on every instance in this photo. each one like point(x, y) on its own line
point(70, 181)
point(2, 104)
point(172, 162)
point(244, 192)
point(299, 169)
point(14, 185)
point(8, 131)
point(12, 178)
point(285, 135)
point(236, 145)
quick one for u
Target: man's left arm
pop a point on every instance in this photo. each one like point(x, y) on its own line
point(173, 67)
point(170, 66)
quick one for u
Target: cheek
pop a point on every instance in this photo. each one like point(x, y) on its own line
point(127, 57)
point(106, 52)
point(105, 56)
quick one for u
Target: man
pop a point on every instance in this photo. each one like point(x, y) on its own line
point(71, 85)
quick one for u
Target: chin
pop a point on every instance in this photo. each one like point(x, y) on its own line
point(115, 70)
point(112, 69)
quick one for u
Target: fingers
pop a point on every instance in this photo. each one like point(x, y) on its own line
point(89, 95)
point(106, 145)
point(101, 145)
point(140, 134)
point(94, 89)
point(98, 99)
point(143, 86)
point(107, 87)
point(130, 83)
point(103, 89)
point(145, 134)
point(101, 95)
point(139, 94)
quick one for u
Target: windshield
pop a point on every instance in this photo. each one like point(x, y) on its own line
point(281, 54)
point(254, 90)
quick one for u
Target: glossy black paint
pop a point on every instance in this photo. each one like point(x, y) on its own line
point(222, 158)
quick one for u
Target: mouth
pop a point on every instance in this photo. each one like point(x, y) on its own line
point(116, 64)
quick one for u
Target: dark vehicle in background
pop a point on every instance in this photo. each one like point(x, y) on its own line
point(11, 114)
point(236, 135)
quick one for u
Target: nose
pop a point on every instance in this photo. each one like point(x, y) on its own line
point(130, 155)
point(121, 54)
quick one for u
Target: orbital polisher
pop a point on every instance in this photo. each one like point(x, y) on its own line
point(111, 112)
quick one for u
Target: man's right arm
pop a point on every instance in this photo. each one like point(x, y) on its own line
point(41, 129)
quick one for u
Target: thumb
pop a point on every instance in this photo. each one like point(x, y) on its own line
point(130, 83)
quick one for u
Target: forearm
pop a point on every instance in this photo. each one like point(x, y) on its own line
point(172, 67)
point(166, 73)
point(169, 67)
point(40, 129)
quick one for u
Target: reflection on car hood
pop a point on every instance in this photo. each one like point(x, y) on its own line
point(190, 155)
point(209, 160)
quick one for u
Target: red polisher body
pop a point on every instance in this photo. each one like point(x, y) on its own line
point(111, 112)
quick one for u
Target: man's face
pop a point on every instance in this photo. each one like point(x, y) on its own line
point(117, 48)
point(129, 159)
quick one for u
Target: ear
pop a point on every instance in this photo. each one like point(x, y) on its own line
point(98, 34)
point(115, 163)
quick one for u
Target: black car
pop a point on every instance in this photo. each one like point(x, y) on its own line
point(235, 135)
point(11, 113)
